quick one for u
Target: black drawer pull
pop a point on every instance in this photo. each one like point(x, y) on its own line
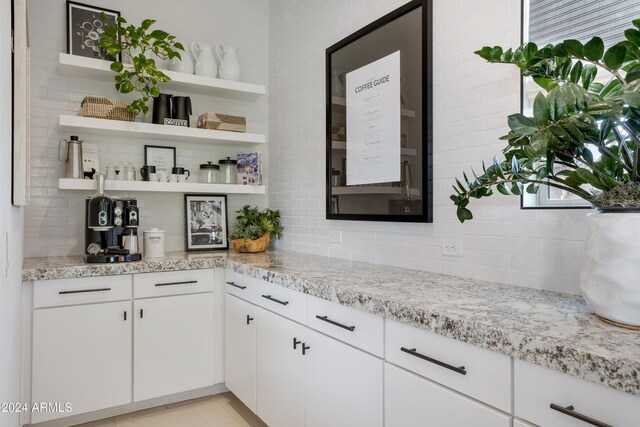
point(333, 322)
point(569, 410)
point(296, 342)
point(141, 313)
point(275, 300)
point(237, 286)
point(125, 315)
point(83, 291)
point(249, 319)
point(189, 282)
point(413, 352)
point(305, 348)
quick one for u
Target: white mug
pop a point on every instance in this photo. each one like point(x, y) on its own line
point(183, 177)
point(153, 177)
point(163, 176)
point(173, 177)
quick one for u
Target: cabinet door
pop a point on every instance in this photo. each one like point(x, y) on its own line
point(81, 355)
point(173, 350)
point(280, 370)
point(413, 401)
point(344, 384)
point(240, 349)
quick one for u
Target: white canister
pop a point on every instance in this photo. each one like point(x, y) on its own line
point(153, 243)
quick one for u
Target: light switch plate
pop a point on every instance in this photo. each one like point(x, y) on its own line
point(335, 237)
point(451, 247)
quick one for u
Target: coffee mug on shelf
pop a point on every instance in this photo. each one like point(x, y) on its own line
point(183, 178)
point(181, 171)
point(152, 177)
point(173, 177)
point(163, 176)
point(146, 172)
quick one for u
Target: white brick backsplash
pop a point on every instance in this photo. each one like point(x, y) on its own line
point(54, 222)
point(472, 99)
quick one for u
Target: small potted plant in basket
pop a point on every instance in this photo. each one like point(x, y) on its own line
point(254, 228)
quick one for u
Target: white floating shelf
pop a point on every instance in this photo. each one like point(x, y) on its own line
point(342, 191)
point(341, 102)
point(97, 69)
point(159, 187)
point(342, 145)
point(150, 130)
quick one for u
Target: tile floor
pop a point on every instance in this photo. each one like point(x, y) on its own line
point(221, 410)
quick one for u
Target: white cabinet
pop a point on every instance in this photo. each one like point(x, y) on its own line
point(173, 350)
point(414, 401)
point(343, 384)
point(280, 370)
point(81, 355)
point(240, 349)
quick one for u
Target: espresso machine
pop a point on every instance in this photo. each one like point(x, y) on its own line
point(111, 228)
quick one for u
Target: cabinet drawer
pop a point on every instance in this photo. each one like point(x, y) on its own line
point(474, 371)
point(286, 302)
point(360, 329)
point(242, 286)
point(172, 283)
point(536, 388)
point(54, 293)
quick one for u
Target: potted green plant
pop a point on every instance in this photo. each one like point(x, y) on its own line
point(137, 43)
point(254, 228)
point(584, 138)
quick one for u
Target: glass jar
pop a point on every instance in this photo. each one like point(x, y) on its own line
point(228, 171)
point(208, 173)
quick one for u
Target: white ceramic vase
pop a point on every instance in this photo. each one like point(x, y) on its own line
point(610, 277)
point(229, 64)
point(204, 58)
point(184, 65)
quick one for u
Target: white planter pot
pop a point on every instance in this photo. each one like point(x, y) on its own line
point(610, 277)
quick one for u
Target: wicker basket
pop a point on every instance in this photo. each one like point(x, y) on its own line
point(217, 121)
point(104, 108)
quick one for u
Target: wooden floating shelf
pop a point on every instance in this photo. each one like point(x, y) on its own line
point(343, 191)
point(150, 130)
point(97, 69)
point(160, 187)
point(341, 102)
point(342, 145)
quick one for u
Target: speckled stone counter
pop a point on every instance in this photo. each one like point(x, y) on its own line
point(550, 329)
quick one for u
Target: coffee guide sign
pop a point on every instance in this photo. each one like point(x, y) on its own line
point(373, 122)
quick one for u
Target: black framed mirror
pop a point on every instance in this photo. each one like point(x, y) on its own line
point(379, 120)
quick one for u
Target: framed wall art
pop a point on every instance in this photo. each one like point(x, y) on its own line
point(206, 222)
point(84, 28)
point(379, 120)
point(163, 158)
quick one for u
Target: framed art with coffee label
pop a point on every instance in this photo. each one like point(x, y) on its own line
point(84, 29)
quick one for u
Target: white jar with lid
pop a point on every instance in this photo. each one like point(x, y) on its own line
point(208, 173)
point(153, 243)
point(228, 171)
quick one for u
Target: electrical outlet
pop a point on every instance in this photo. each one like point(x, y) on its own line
point(335, 237)
point(451, 247)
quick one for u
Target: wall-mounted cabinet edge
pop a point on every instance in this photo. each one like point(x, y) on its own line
point(160, 187)
point(120, 128)
point(96, 69)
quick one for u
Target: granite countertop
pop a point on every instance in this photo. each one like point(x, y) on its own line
point(550, 329)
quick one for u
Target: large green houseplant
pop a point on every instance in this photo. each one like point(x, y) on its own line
point(254, 228)
point(578, 114)
point(138, 43)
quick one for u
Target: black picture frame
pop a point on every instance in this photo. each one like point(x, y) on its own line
point(83, 35)
point(206, 219)
point(426, 211)
point(149, 156)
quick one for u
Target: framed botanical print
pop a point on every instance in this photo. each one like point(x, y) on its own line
point(206, 222)
point(84, 29)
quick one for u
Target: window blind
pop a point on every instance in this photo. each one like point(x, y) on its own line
point(551, 21)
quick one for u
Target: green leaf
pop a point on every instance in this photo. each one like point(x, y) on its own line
point(636, 22)
point(521, 124)
point(557, 104)
point(116, 66)
point(464, 214)
point(502, 189)
point(178, 45)
point(614, 56)
point(540, 111)
point(159, 34)
point(588, 177)
point(588, 74)
point(545, 83)
point(632, 98)
point(633, 36)
point(515, 167)
point(529, 50)
point(516, 188)
point(576, 72)
point(147, 23)
point(594, 49)
point(532, 188)
point(611, 89)
point(496, 53)
point(574, 47)
point(632, 75)
point(484, 53)
point(540, 142)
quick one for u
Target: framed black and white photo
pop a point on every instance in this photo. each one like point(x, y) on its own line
point(206, 222)
point(84, 29)
point(163, 158)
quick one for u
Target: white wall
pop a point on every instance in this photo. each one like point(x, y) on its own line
point(472, 99)
point(10, 237)
point(54, 220)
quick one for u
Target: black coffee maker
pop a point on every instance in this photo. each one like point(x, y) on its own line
point(111, 228)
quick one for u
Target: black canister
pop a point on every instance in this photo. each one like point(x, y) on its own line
point(162, 107)
point(182, 108)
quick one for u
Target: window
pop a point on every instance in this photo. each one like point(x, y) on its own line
point(552, 21)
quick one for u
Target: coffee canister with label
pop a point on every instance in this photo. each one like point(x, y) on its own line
point(153, 243)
